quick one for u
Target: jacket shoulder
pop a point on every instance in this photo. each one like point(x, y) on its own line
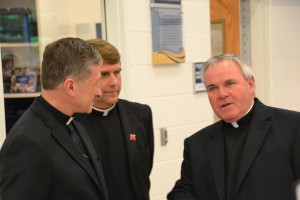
point(122, 103)
point(206, 132)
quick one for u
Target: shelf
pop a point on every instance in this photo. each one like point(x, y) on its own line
point(21, 95)
point(19, 44)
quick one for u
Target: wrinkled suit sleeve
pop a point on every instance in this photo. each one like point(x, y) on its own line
point(183, 189)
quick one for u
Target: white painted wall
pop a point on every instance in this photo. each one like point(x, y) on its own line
point(285, 53)
point(275, 36)
point(168, 89)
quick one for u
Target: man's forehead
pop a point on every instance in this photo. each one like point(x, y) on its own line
point(226, 67)
point(110, 66)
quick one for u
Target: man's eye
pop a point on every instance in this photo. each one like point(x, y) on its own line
point(230, 83)
point(211, 89)
point(104, 74)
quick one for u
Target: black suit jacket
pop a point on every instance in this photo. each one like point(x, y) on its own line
point(39, 161)
point(269, 166)
point(135, 119)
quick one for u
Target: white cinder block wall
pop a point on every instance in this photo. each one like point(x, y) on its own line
point(275, 40)
point(168, 89)
point(285, 53)
point(275, 32)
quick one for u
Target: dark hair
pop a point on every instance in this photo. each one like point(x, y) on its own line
point(68, 57)
point(109, 53)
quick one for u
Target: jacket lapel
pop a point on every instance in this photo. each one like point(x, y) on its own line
point(216, 153)
point(127, 123)
point(258, 131)
point(61, 135)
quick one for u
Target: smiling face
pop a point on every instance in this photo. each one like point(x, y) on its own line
point(110, 85)
point(230, 95)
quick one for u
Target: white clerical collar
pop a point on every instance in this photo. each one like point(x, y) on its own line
point(69, 121)
point(235, 124)
point(105, 112)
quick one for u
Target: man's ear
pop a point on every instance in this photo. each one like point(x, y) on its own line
point(69, 86)
point(251, 83)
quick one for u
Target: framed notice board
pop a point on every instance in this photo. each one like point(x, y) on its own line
point(167, 45)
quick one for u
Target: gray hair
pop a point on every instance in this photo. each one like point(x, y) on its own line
point(68, 57)
point(241, 62)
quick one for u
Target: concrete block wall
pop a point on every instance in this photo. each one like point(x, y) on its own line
point(168, 89)
point(285, 53)
point(275, 36)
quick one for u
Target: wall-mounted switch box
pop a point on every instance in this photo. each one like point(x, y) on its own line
point(163, 136)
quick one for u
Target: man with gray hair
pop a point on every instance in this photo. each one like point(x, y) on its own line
point(47, 154)
point(252, 153)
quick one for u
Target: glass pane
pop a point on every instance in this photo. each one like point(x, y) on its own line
point(26, 27)
point(68, 18)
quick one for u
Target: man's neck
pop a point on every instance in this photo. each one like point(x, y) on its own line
point(58, 100)
point(102, 106)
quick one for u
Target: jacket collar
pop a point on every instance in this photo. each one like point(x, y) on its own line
point(259, 128)
point(60, 133)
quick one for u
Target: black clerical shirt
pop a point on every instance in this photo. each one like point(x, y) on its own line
point(235, 139)
point(110, 144)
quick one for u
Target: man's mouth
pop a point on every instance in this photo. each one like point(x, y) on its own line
point(225, 105)
point(111, 91)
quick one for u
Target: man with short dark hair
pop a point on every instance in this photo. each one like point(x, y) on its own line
point(47, 155)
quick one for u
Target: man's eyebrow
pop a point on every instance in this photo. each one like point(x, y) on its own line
point(229, 80)
point(210, 85)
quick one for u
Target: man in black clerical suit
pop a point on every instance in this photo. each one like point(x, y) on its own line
point(48, 155)
point(252, 153)
point(122, 132)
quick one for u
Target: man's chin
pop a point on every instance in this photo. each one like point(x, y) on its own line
point(89, 110)
point(112, 100)
point(109, 104)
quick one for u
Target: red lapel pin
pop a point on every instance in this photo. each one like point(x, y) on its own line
point(132, 137)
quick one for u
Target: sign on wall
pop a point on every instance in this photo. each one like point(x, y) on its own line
point(198, 82)
point(167, 47)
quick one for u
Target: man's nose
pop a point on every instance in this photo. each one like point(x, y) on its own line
point(98, 92)
point(113, 79)
point(222, 92)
